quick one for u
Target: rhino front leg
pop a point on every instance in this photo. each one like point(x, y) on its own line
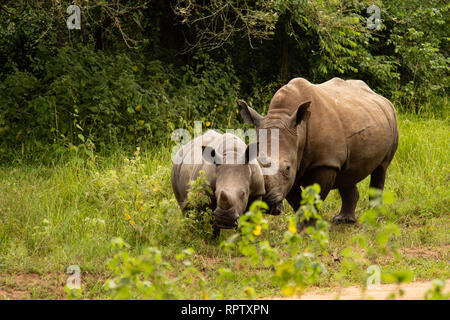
point(216, 232)
point(350, 197)
point(294, 197)
point(325, 177)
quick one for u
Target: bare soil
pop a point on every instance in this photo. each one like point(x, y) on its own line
point(412, 291)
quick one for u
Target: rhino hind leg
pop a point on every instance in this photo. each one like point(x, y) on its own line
point(350, 197)
point(377, 178)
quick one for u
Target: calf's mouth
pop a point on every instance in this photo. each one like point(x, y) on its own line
point(225, 219)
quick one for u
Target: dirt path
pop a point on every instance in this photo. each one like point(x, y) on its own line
point(412, 291)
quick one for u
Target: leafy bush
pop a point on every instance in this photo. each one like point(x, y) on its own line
point(146, 276)
point(300, 267)
point(88, 99)
point(198, 212)
point(436, 292)
point(86, 90)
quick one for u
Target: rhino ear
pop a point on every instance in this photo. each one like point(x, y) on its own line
point(302, 112)
point(249, 115)
point(209, 154)
point(251, 153)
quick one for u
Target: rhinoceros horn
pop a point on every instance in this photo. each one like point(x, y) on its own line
point(224, 200)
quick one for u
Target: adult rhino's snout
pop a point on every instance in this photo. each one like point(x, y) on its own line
point(275, 203)
point(277, 210)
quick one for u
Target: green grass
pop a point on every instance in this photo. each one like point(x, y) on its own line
point(47, 216)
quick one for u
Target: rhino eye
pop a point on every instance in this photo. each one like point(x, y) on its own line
point(286, 171)
point(242, 194)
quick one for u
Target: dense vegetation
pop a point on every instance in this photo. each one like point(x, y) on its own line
point(86, 117)
point(138, 69)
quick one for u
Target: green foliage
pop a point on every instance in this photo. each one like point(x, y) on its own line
point(83, 90)
point(436, 292)
point(421, 50)
point(198, 211)
point(89, 100)
point(300, 267)
point(145, 276)
point(377, 239)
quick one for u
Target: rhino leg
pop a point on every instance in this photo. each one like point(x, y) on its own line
point(294, 197)
point(216, 232)
point(325, 178)
point(377, 178)
point(350, 197)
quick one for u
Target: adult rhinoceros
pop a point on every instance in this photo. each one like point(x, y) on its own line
point(335, 134)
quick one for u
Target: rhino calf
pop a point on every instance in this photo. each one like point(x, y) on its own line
point(233, 174)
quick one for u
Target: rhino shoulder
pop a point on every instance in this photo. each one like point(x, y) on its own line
point(360, 85)
point(299, 82)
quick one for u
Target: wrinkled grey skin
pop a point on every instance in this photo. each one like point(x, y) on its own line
point(235, 186)
point(334, 134)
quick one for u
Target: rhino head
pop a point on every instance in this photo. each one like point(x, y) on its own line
point(291, 142)
point(239, 181)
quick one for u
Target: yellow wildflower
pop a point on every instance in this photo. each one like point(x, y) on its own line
point(127, 216)
point(292, 228)
point(138, 107)
point(208, 123)
point(249, 291)
point(288, 291)
point(135, 68)
point(132, 222)
point(257, 230)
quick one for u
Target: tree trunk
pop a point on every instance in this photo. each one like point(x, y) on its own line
point(284, 74)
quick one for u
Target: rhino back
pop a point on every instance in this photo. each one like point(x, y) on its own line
point(351, 128)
